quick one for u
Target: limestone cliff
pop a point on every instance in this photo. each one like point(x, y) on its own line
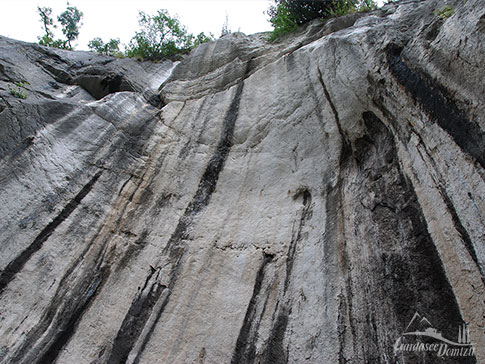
point(295, 202)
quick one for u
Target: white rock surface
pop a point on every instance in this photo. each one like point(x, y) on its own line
point(295, 202)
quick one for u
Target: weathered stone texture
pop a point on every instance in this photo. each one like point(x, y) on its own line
point(293, 202)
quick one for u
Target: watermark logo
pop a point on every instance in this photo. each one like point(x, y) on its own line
point(421, 336)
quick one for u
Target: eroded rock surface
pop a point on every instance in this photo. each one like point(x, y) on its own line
point(295, 202)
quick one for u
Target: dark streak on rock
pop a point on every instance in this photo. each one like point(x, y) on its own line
point(124, 185)
point(67, 328)
point(346, 148)
point(152, 327)
point(132, 251)
point(18, 263)
point(439, 105)
point(467, 241)
point(143, 305)
point(245, 351)
point(341, 328)
point(409, 274)
point(26, 143)
point(208, 183)
point(275, 352)
point(68, 305)
point(334, 235)
point(307, 200)
point(135, 319)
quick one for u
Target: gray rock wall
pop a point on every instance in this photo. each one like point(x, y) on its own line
point(295, 202)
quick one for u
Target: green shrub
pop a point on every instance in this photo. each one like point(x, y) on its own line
point(282, 20)
point(445, 12)
point(55, 43)
point(287, 15)
point(162, 36)
point(344, 7)
point(69, 20)
point(18, 89)
point(111, 48)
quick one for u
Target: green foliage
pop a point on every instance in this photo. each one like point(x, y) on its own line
point(111, 48)
point(366, 5)
point(287, 15)
point(341, 8)
point(344, 7)
point(18, 89)
point(47, 22)
point(69, 20)
point(282, 20)
point(55, 43)
point(162, 36)
point(445, 12)
point(200, 38)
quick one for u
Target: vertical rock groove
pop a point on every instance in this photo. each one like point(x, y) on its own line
point(60, 319)
point(307, 201)
point(402, 254)
point(346, 148)
point(245, 351)
point(18, 263)
point(69, 326)
point(135, 319)
point(335, 236)
point(467, 241)
point(143, 304)
point(439, 105)
point(273, 352)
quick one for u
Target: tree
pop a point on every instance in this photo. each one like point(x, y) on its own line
point(162, 36)
point(194, 41)
point(47, 22)
point(69, 19)
point(287, 15)
point(70, 23)
point(282, 19)
point(46, 19)
point(303, 11)
point(111, 48)
point(225, 28)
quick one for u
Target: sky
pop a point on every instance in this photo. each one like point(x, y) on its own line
point(119, 18)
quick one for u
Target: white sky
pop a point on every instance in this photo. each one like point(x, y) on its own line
point(119, 18)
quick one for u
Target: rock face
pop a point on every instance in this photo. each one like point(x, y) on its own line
point(296, 202)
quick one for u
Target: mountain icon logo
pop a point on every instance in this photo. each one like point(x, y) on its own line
point(420, 328)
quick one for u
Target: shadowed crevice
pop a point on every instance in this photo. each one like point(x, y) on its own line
point(245, 351)
point(68, 328)
point(297, 235)
point(15, 266)
point(346, 148)
point(467, 241)
point(408, 274)
point(439, 105)
point(145, 305)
